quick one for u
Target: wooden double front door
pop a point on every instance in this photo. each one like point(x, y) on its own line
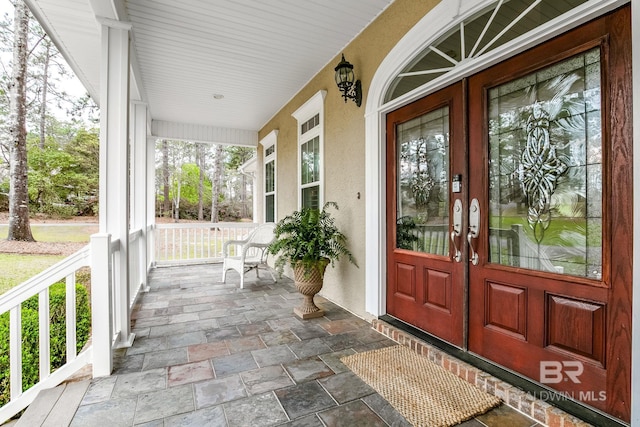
point(510, 214)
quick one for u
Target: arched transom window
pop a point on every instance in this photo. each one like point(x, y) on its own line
point(479, 34)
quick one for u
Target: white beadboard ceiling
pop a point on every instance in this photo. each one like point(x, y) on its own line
point(257, 53)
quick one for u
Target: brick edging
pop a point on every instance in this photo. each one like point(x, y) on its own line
point(539, 410)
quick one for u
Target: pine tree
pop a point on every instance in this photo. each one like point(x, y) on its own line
point(19, 227)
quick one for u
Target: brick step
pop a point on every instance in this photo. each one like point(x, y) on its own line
point(540, 411)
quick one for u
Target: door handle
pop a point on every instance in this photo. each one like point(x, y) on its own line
point(456, 229)
point(474, 229)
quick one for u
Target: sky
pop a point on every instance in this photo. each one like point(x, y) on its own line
point(70, 84)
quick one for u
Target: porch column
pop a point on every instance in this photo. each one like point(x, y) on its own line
point(139, 188)
point(258, 193)
point(257, 215)
point(101, 315)
point(151, 202)
point(114, 163)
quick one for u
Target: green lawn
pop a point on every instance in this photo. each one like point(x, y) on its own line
point(57, 233)
point(16, 268)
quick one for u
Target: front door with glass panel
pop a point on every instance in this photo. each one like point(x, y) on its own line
point(425, 286)
point(549, 292)
point(546, 211)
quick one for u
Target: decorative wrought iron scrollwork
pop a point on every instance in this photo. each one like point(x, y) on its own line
point(539, 171)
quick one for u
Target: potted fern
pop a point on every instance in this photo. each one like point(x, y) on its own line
point(308, 240)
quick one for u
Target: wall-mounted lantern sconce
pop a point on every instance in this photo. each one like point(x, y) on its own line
point(345, 81)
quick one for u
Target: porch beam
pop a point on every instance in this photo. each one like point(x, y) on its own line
point(162, 129)
point(114, 161)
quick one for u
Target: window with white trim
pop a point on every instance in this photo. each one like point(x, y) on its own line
point(269, 157)
point(310, 119)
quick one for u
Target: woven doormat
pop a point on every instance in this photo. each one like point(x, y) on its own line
point(423, 392)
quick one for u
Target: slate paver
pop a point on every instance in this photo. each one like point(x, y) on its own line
point(260, 410)
point(310, 347)
point(210, 417)
point(189, 373)
point(115, 412)
point(279, 337)
point(164, 403)
point(214, 392)
point(99, 390)
point(307, 369)
point(232, 364)
point(140, 382)
point(266, 379)
point(206, 351)
point(239, 345)
point(273, 355)
point(163, 358)
point(208, 354)
point(304, 399)
point(353, 414)
point(345, 387)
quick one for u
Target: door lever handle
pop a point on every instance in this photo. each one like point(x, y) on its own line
point(456, 229)
point(474, 229)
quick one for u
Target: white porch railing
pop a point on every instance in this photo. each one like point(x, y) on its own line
point(196, 242)
point(171, 244)
point(137, 265)
point(106, 314)
point(12, 302)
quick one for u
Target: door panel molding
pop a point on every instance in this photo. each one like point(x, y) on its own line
point(437, 289)
point(506, 309)
point(586, 336)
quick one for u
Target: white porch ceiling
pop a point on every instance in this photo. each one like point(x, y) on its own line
point(257, 53)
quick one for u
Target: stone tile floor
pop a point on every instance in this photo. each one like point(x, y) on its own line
point(210, 354)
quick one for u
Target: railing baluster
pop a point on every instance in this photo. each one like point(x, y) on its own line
point(216, 251)
point(44, 333)
point(187, 241)
point(215, 242)
point(209, 233)
point(166, 245)
point(70, 296)
point(173, 244)
point(15, 351)
point(209, 243)
point(188, 248)
point(115, 292)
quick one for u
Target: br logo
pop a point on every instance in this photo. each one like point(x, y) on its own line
point(554, 372)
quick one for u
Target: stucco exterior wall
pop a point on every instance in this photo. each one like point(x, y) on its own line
point(344, 145)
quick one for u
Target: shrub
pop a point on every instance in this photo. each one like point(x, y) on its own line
point(30, 335)
point(59, 210)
